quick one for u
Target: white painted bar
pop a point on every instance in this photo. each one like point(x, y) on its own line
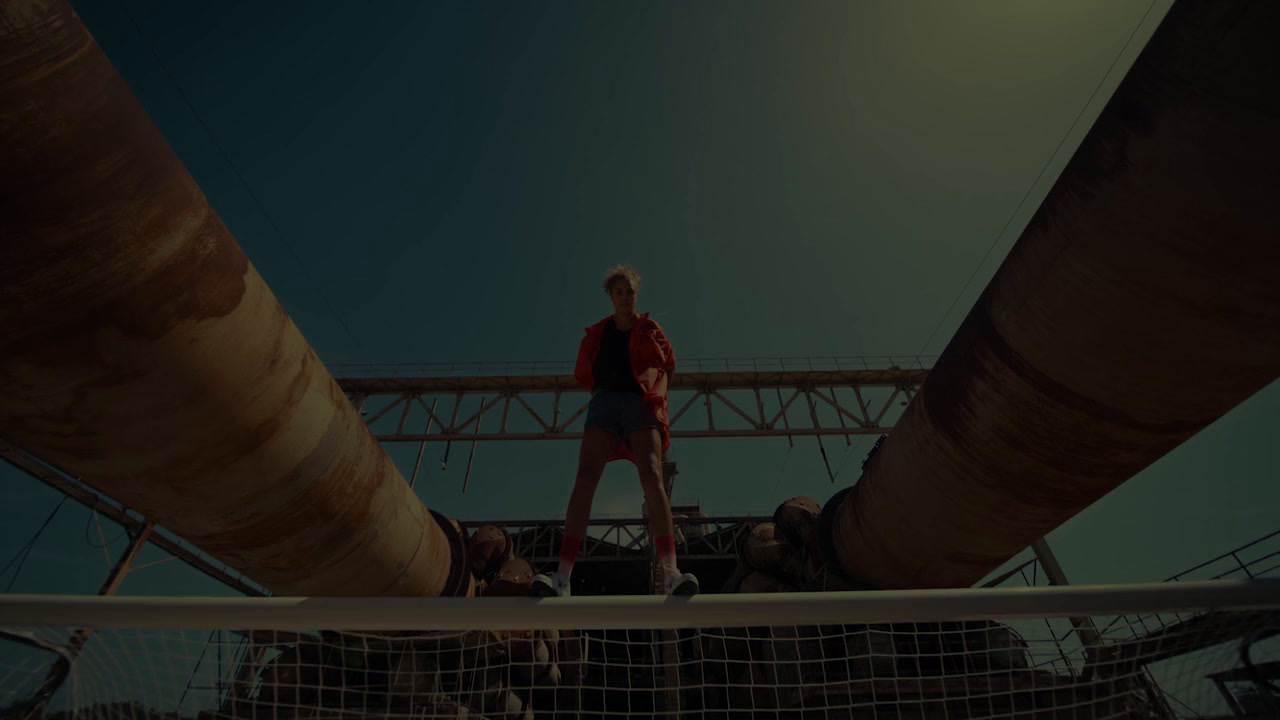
point(631, 611)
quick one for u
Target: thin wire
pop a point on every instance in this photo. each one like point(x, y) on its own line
point(25, 550)
point(1040, 175)
point(843, 458)
point(161, 561)
point(227, 159)
point(106, 556)
point(1174, 698)
point(783, 472)
point(88, 520)
point(36, 536)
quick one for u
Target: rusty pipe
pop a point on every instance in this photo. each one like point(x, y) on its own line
point(1139, 305)
point(141, 350)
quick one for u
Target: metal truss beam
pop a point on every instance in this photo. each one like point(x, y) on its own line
point(815, 388)
point(59, 481)
point(539, 540)
point(625, 539)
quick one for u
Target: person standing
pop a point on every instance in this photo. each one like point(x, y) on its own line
point(626, 362)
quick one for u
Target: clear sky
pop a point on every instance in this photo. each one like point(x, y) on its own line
point(441, 182)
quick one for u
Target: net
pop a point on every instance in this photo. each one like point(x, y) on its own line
point(1176, 650)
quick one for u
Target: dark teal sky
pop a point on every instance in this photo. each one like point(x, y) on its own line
point(448, 182)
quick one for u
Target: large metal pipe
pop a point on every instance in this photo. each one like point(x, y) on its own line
point(141, 350)
point(1140, 304)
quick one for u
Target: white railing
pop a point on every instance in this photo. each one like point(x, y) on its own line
point(684, 365)
point(632, 611)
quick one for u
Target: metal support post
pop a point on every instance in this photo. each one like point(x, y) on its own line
point(790, 443)
point(840, 415)
point(466, 478)
point(669, 473)
point(423, 445)
point(1088, 632)
point(358, 399)
point(666, 639)
point(1084, 626)
point(813, 415)
point(453, 428)
point(61, 669)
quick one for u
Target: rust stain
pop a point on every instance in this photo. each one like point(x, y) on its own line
point(141, 350)
point(1149, 265)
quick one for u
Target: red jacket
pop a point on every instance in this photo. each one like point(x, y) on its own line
point(652, 362)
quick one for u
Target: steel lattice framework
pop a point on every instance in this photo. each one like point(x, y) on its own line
point(697, 538)
point(388, 393)
point(130, 520)
point(400, 397)
point(536, 540)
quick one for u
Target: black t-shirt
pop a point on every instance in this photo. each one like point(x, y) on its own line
point(612, 369)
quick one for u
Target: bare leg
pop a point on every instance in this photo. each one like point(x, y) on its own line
point(597, 446)
point(647, 446)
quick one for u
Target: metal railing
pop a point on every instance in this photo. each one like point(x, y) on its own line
point(127, 518)
point(1062, 663)
point(683, 365)
point(1259, 558)
point(1227, 566)
point(623, 538)
point(1265, 565)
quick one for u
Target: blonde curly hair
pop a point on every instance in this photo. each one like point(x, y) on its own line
point(621, 271)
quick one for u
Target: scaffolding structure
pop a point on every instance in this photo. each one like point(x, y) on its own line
point(385, 395)
point(618, 556)
point(1058, 345)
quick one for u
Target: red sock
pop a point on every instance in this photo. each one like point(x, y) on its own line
point(666, 547)
point(569, 554)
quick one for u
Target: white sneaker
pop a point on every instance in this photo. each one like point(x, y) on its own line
point(553, 585)
point(679, 583)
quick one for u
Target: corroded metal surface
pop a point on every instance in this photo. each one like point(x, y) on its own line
point(1140, 304)
point(141, 350)
point(488, 549)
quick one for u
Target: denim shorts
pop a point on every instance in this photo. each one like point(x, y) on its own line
point(620, 412)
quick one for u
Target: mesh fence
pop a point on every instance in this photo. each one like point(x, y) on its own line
point(1190, 663)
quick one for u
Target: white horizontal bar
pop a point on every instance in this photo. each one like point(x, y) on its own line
point(734, 433)
point(631, 611)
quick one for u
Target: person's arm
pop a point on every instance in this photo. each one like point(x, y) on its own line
point(664, 345)
point(582, 371)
